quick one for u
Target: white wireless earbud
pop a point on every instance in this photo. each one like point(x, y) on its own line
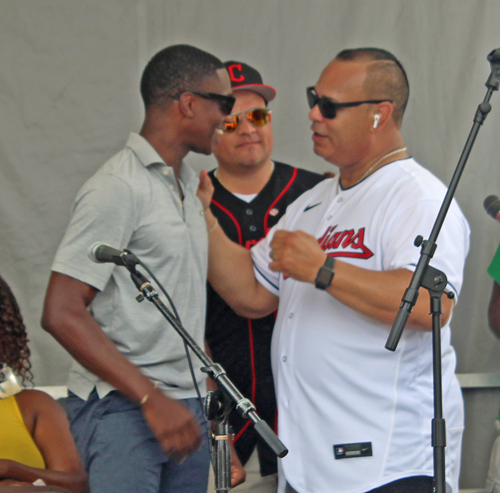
point(376, 118)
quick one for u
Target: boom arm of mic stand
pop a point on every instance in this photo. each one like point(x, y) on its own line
point(243, 405)
point(411, 294)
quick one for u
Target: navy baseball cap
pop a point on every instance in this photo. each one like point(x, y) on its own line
point(246, 78)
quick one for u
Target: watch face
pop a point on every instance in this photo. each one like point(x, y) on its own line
point(325, 274)
point(324, 278)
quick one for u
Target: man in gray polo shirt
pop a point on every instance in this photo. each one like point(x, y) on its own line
point(132, 401)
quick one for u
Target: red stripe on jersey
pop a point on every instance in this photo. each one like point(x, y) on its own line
point(235, 439)
point(252, 359)
point(288, 185)
point(238, 228)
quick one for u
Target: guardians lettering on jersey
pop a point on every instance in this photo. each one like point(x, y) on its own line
point(346, 243)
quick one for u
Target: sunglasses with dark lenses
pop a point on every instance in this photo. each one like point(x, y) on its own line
point(328, 107)
point(258, 117)
point(226, 103)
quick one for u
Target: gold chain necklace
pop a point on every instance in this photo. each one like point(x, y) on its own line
point(373, 166)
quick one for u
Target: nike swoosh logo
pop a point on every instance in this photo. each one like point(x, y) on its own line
point(311, 206)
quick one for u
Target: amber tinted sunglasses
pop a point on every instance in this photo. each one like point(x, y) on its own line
point(258, 117)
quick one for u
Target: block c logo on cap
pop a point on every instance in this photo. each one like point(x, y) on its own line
point(231, 69)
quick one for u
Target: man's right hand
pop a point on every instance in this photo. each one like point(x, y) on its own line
point(205, 189)
point(238, 473)
point(66, 317)
point(173, 425)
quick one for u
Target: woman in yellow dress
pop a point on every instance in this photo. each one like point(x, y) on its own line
point(35, 440)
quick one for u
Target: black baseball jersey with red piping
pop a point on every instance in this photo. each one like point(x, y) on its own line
point(242, 346)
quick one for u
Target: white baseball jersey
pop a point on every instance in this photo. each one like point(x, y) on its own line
point(341, 395)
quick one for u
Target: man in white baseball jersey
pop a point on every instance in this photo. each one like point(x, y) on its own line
point(354, 416)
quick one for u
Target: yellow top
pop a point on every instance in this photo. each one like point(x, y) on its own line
point(16, 442)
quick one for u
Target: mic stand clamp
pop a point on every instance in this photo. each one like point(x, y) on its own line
point(217, 409)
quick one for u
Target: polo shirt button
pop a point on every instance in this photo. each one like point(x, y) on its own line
point(253, 228)
point(249, 212)
point(291, 315)
point(165, 171)
point(283, 359)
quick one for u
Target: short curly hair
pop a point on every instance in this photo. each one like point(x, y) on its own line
point(14, 351)
point(175, 69)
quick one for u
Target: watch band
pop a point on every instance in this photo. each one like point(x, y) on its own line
point(325, 274)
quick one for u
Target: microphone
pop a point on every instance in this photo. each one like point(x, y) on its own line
point(492, 206)
point(102, 253)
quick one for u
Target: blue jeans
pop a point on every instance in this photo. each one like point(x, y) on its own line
point(121, 454)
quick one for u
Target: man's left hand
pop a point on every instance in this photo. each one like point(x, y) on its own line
point(205, 189)
point(296, 254)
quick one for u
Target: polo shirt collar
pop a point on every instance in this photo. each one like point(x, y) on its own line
point(147, 154)
point(143, 150)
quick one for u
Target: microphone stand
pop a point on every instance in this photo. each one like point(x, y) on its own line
point(219, 403)
point(435, 281)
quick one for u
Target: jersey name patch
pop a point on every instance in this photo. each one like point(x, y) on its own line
point(347, 243)
point(352, 450)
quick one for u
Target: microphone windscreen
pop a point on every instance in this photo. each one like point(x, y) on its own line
point(492, 206)
point(94, 251)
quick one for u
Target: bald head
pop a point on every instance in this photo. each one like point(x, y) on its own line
point(385, 77)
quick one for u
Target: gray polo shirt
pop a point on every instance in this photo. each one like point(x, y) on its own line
point(132, 202)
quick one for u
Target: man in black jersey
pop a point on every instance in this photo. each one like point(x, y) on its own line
point(251, 194)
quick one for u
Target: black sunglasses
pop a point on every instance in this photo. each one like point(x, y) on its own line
point(328, 107)
point(226, 103)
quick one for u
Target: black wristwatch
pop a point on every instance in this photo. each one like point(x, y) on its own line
point(325, 274)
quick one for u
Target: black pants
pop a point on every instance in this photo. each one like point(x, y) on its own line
point(416, 484)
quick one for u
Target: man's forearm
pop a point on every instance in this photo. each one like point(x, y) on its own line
point(231, 274)
point(66, 317)
point(376, 294)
